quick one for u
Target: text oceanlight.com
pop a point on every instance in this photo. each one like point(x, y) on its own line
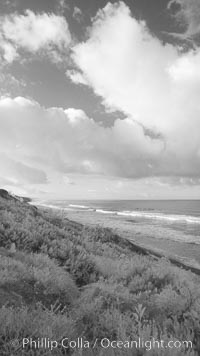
point(105, 343)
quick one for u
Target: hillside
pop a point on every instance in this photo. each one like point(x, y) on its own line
point(61, 279)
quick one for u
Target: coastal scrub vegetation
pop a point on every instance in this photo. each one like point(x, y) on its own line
point(64, 279)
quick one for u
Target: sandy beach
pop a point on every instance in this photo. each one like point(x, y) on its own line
point(165, 241)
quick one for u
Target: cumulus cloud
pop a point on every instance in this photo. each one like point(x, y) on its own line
point(156, 88)
point(68, 141)
point(152, 83)
point(33, 33)
point(126, 66)
point(35, 140)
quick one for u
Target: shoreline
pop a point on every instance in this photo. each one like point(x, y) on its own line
point(182, 254)
point(89, 279)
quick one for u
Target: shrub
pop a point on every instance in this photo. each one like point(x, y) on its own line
point(36, 277)
point(19, 323)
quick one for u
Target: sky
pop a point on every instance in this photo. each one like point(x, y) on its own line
point(100, 99)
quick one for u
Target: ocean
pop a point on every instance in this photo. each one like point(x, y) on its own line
point(178, 216)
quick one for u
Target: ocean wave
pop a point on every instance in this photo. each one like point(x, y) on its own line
point(161, 216)
point(102, 211)
point(142, 214)
point(79, 206)
point(154, 216)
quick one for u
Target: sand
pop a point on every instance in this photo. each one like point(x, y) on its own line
point(149, 236)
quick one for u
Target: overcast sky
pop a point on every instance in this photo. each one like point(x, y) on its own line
point(100, 100)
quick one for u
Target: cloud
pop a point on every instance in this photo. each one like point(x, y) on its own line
point(62, 6)
point(187, 17)
point(125, 65)
point(18, 173)
point(38, 143)
point(67, 141)
point(150, 82)
point(33, 33)
point(154, 85)
point(77, 14)
point(9, 85)
point(76, 76)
